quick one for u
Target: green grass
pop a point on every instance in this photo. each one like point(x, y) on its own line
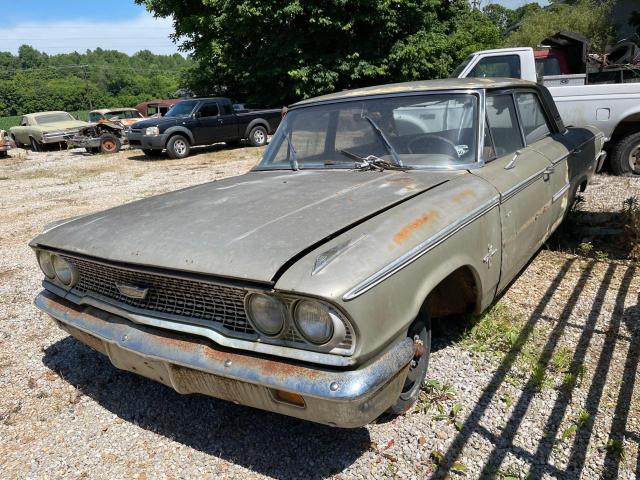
point(7, 122)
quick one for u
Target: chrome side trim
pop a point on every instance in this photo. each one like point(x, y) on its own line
point(218, 338)
point(559, 193)
point(521, 186)
point(419, 250)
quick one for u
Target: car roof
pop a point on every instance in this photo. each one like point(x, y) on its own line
point(102, 111)
point(43, 113)
point(421, 86)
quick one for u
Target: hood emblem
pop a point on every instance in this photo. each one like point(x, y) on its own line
point(132, 291)
point(330, 255)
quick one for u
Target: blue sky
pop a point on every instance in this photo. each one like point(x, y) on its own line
point(59, 26)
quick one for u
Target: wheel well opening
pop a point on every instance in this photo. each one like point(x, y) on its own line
point(628, 126)
point(182, 134)
point(457, 294)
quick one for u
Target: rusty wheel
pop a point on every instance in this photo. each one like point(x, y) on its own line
point(109, 144)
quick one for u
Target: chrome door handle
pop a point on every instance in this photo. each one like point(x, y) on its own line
point(512, 163)
point(546, 173)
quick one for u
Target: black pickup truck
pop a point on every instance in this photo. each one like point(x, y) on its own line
point(202, 121)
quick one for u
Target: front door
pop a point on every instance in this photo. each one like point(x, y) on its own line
point(520, 174)
point(205, 129)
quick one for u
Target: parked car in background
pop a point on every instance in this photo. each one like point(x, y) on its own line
point(156, 108)
point(202, 121)
point(6, 143)
point(45, 128)
point(101, 137)
point(612, 107)
point(307, 286)
point(125, 116)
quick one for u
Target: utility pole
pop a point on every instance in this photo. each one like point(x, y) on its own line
point(86, 88)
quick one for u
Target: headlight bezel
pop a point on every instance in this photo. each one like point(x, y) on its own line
point(343, 329)
point(43, 256)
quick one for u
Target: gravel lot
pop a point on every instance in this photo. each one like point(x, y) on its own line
point(561, 400)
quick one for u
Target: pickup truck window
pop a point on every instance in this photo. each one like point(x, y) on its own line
point(499, 66)
point(182, 109)
point(426, 131)
point(209, 110)
point(503, 122)
point(533, 119)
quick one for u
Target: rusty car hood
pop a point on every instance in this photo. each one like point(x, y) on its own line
point(247, 227)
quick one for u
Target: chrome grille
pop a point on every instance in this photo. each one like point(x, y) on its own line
point(189, 299)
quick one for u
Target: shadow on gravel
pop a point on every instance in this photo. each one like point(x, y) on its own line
point(603, 230)
point(539, 461)
point(269, 444)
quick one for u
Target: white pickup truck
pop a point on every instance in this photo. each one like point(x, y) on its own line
point(613, 108)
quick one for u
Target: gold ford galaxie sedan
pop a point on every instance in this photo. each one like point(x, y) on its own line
point(307, 286)
point(42, 128)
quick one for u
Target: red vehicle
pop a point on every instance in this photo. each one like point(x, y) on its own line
point(156, 108)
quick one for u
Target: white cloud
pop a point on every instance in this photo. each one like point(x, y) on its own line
point(143, 32)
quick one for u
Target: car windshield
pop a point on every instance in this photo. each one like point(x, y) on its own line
point(415, 131)
point(53, 118)
point(182, 109)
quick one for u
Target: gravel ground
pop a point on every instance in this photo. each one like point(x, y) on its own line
point(66, 412)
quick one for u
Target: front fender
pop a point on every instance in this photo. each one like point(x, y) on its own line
point(387, 266)
point(181, 130)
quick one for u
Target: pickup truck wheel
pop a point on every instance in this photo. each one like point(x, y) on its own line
point(109, 143)
point(258, 136)
point(178, 147)
point(626, 156)
point(36, 146)
point(420, 332)
point(150, 152)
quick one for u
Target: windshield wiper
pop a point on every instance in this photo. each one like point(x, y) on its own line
point(372, 162)
point(385, 140)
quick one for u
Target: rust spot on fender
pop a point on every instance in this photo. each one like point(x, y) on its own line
point(418, 223)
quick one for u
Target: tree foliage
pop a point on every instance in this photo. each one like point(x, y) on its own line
point(591, 18)
point(34, 81)
point(506, 18)
point(276, 51)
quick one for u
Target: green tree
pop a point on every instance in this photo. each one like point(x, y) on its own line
point(591, 18)
point(276, 51)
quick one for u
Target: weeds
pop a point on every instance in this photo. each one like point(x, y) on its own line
point(631, 217)
point(585, 248)
point(435, 395)
point(615, 448)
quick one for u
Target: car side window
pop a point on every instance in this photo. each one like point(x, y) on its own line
point(488, 152)
point(23, 122)
point(503, 122)
point(532, 117)
point(497, 66)
point(209, 110)
point(227, 109)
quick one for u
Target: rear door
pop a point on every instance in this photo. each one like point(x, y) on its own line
point(518, 173)
point(228, 123)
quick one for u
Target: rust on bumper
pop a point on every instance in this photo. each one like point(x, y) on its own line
point(350, 398)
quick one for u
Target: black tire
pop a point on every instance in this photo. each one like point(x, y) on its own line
point(36, 146)
point(420, 329)
point(625, 158)
point(109, 143)
point(258, 136)
point(178, 147)
point(152, 153)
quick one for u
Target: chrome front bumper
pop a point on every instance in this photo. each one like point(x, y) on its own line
point(342, 398)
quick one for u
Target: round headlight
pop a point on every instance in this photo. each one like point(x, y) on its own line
point(314, 321)
point(46, 264)
point(267, 313)
point(64, 270)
